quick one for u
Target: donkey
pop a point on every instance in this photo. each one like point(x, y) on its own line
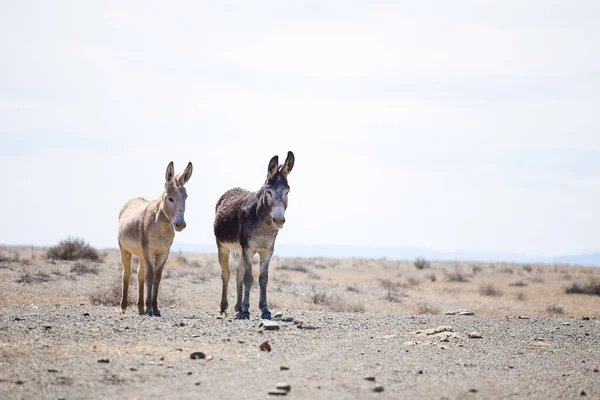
point(146, 230)
point(247, 223)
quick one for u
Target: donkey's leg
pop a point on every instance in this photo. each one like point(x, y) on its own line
point(126, 261)
point(149, 259)
point(225, 274)
point(263, 279)
point(248, 279)
point(141, 275)
point(161, 260)
point(239, 281)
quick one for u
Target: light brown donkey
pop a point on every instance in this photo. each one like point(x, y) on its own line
point(146, 230)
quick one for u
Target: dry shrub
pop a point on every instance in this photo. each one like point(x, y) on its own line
point(28, 278)
point(456, 276)
point(421, 263)
point(476, 269)
point(297, 268)
point(318, 297)
point(110, 296)
point(353, 288)
point(554, 309)
point(412, 281)
point(518, 284)
point(432, 277)
point(537, 279)
point(73, 249)
point(521, 296)
point(83, 269)
point(591, 288)
point(527, 268)
point(489, 290)
point(426, 308)
point(392, 293)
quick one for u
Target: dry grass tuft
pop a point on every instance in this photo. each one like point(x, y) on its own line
point(554, 309)
point(456, 276)
point(489, 290)
point(83, 269)
point(28, 278)
point(426, 308)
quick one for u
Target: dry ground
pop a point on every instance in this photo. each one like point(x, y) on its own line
point(63, 336)
point(352, 285)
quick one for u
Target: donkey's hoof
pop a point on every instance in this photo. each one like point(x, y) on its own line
point(149, 312)
point(243, 315)
point(266, 315)
point(156, 313)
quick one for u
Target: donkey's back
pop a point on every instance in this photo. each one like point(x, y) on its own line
point(228, 216)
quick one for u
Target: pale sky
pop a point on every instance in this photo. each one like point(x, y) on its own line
point(446, 125)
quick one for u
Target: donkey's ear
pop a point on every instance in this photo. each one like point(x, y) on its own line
point(187, 174)
point(273, 167)
point(289, 164)
point(170, 172)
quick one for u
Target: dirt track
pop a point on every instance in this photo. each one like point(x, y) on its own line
point(53, 352)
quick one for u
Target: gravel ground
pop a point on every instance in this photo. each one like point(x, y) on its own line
point(82, 352)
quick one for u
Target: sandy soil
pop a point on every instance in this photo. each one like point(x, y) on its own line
point(62, 335)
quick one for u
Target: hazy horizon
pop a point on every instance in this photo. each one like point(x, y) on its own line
point(450, 127)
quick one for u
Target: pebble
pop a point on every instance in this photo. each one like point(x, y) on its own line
point(378, 389)
point(86, 314)
point(104, 360)
point(269, 325)
point(265, 347)
point(475, 335)
point(283, 368)
point(197, 355)
point(283, 386)
point(524, 317)
point(278, 315)
point(308, 327)
point(369, 378)
point(277, 392)
point(287, 319)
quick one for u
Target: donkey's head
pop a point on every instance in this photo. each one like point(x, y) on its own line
point(173, 199)
point(277, 188)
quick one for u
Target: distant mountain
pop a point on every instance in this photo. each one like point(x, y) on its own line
point(403, 253)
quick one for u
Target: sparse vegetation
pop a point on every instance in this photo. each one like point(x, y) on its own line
point(426, 308)
point(591, 288)
point(73, 249)
point(432, 277)
point(412, 281)
point(489, 290)
point(28, 278)
point(527, 268)
point(421, 263)
point(353, 288)
point(518, 284)
point(554, 309)
point(392, 294)
point(338, 304)
point(110, 296)
point(83, 269)
point(521, 296)
point(297, 268)
point(456, 276)
point(318, 297)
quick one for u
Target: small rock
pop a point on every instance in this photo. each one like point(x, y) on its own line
point(269, 325)
point(420, 372)
point(442, 347)
point(524, 317)
point(265, 347)
point(566, 323)
point(19, 382)
point(307, 327)
point(208, 358)
point(596, 370)
point(51, 370)
point(197, 355)
point(583, 393)
point(162, 358)
point(585, 318)
point(18, 319)
point(378, 389)
point(86, 314)
point(465, 312)
point(283, 368)
point(47, 327)
point(133, 369)
point(283, 386)
point(104, 360)
point(277, 392)
point(473, 390)
point(198, 383)
point(369, 378)
point(181, 324)
point(189, 372)
point(278, 315)
point(475, 335)
point(287, 319)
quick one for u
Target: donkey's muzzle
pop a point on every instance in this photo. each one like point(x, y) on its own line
point(179, 226)
point(278, 222)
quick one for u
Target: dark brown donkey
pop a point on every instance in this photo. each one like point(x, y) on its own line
point(247, 223)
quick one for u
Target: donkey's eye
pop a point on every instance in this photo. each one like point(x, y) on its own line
point(171, 200)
